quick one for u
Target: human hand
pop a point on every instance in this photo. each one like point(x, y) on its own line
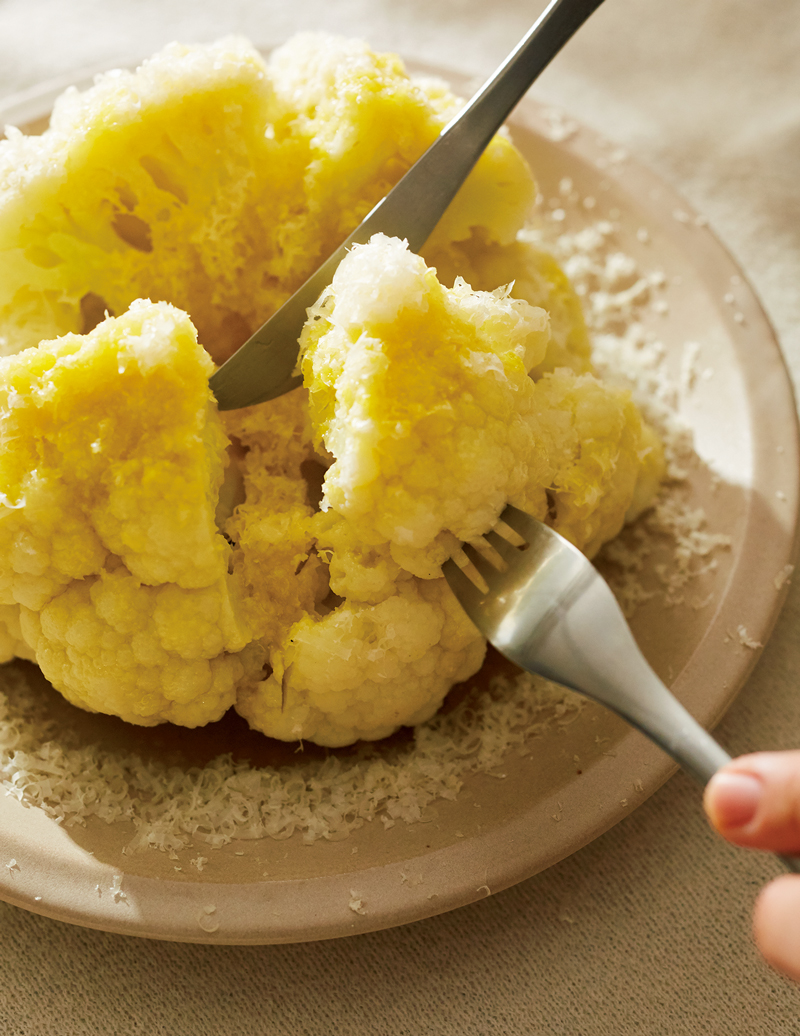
point(755, 801)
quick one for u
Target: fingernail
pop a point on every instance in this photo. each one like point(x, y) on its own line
point(732, 799)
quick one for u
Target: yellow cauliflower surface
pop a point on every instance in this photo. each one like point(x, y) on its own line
point(112, 569)
point(218, 182)
point(365, 669)
point(346, 644)
point(534, 276)
point(420, 393)
point(162, 562)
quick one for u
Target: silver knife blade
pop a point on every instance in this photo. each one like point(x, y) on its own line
point(265, 366)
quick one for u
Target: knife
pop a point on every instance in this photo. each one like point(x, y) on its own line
point(265, 366)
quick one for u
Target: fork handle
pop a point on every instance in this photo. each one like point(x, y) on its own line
point(586, 656)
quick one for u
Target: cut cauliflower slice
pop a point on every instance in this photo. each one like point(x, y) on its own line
point(112, 569)
point(421, 396)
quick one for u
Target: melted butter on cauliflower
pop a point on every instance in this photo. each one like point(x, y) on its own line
point(162, 562)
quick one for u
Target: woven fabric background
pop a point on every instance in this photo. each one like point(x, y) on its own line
point(646, 931)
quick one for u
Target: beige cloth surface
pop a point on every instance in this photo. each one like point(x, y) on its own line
point(645, 931)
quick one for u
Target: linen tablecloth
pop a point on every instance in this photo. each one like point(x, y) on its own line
point(646, 930)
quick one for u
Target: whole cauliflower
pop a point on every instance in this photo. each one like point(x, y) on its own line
point(161, 562)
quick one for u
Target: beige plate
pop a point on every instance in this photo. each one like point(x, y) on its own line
point(497, 832)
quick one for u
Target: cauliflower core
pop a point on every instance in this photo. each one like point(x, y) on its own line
point(162, 562)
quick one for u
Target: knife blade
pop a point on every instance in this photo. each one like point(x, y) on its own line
point(265, 366)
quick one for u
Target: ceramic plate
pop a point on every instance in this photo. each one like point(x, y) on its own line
point(576, 780)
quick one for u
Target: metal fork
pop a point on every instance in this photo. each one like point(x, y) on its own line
point(551, 612)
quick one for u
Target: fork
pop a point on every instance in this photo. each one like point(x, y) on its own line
point(550, 612)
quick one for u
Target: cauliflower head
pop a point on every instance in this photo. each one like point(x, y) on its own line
point(162, 562)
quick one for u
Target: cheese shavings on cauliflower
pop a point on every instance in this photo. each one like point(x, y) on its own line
point(112, 570)
point(422, 396)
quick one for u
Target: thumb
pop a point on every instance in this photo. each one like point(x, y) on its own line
point(776, 924)
point(755, 801)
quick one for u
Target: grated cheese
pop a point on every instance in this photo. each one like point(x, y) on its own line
point(116, 889)
point(173, 808)
point(206, 921)
point(746, 640)
point(356, 903)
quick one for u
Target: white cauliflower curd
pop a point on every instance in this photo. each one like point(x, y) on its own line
point(162, 562)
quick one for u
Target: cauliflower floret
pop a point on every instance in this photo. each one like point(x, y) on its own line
point(364, 670)
point(112, 570)
point(369, 122)
point(603, 464)
point(146, 654)
point(109, 446)
point(355, 571)
point(420, 393)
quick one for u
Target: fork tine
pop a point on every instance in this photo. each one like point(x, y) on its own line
point(468, 594)
point(485, 568)
point(507, 551)
point(521, 522)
